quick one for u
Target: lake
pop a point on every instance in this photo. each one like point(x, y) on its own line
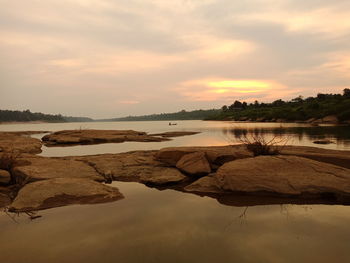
point(150, 225)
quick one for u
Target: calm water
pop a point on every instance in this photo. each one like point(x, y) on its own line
point(169, 226)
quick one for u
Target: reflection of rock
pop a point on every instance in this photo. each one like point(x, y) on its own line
point(5, 177)
point(289, 175)
point(194, 164)
point(325, 141)
point(76, 137)
point(16, 141)
point(4, 197)
point(340, 158)
point(62, 191)
point(39, 168)
point(175, 134)
point(216, 155)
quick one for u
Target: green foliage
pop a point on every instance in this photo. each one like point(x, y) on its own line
point(298, 109)
point(27, 115)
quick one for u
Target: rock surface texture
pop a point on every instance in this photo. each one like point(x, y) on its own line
point(194, 164)
point(19, 142)
point(76, 137)
point(287, 175)
point(5, 177)
point(40, 168)
point(62, 191)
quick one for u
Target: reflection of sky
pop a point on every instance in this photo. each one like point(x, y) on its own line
point(169, 226)
point(212, 133)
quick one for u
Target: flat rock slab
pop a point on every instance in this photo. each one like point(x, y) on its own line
point(216, 155)
point(174, 134)
point(41, 168)
point(19, 142)
point(139, 166)
point(194, 164)
point(286, 175)
point(336, 157)
point(81, 137)
point(60, 192)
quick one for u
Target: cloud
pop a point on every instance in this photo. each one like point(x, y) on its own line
point(214, 89)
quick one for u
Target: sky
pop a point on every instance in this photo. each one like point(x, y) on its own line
point(113, 58)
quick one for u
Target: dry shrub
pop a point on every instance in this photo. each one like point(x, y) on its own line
point(259, 145)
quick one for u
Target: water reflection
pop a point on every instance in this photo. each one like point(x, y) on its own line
point(169, 226)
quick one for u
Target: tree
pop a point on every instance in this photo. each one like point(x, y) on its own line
point(224, 108)
point(346, 93)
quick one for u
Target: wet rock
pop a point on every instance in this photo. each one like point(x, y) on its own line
point(77, 137)
point(216, 155)
point(40, 168)
point(62, 191)
point(5, 177)
point(194, 164)
point(286, 175)
point(17, 142)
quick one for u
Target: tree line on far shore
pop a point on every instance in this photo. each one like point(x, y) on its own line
point(297, 109)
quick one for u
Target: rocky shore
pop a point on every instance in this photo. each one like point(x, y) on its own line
point(299, 174)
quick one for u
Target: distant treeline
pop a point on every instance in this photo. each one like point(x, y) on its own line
point(27, 115)
point(297, 109)
point(181, 115)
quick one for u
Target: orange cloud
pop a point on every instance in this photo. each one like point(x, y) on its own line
point(226, 89)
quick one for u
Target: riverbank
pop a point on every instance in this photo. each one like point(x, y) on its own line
point(295, 173)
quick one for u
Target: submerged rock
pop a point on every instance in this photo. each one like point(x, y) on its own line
point(287, 175)
point(62, 191)
point(194, 164)
point(77, 137)
point(40, 168)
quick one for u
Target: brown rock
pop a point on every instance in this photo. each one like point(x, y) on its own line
point(287, 175)
point(139, 166)
point(76, 137)
point(330, 119)
point(41, 168)
point(323, 141)
point(216, 155)
point(206, 184)
point(62, 191)
point(194, 164)
point(5, 177)
point(336, 157)
point(17, 142)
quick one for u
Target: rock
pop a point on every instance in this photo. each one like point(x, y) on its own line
point(139, 166)
point(17, 142)
point(5, 177)
point(330, 119)
point(62, 191)
point(261, 119)
point(174, 134)
point(286, 175)
point(163, 176)
point(324, 141)
point(339, 158)
point(206, 184)
point(77, 137)
point(41, 168)
point(194, 164)
point(216, 155)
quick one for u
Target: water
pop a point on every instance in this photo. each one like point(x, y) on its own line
point(170, 226)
